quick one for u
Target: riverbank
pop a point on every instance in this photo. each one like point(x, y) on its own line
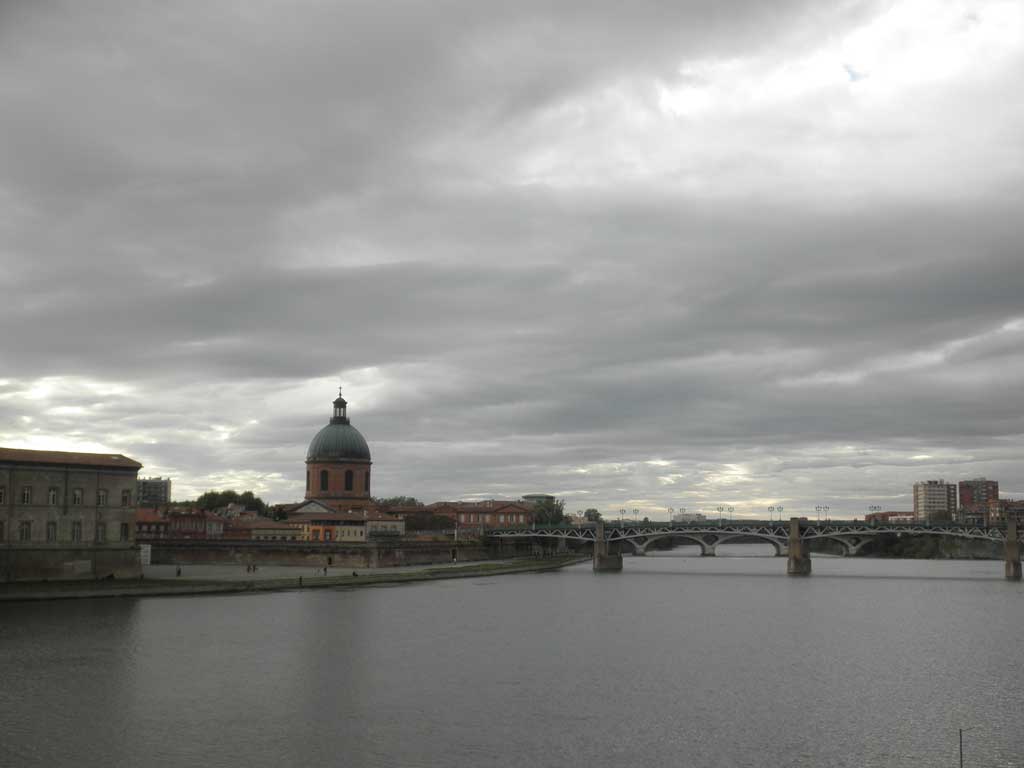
point(33, 591)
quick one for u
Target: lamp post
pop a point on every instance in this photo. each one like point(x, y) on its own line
point(636, 515)
point(720, 511)
point(962, 744)
point(622, 514)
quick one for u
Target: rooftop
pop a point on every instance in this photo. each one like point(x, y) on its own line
point(23, 455)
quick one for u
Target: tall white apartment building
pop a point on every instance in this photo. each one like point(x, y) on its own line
point(934, 500)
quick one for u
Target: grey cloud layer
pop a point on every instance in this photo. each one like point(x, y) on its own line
point(214, 206)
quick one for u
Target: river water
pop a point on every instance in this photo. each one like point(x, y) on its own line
point(678, 661)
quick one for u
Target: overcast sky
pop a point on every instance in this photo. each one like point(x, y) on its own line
point(638, 255)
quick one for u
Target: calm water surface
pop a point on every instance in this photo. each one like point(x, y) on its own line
point(679, 661)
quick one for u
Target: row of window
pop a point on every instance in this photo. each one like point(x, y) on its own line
point(25, 532)
point(473, 517)
point(315, 535)
point(77, 496)
point(349, 480)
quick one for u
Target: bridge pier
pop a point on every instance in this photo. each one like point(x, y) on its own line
point(603, 561)
point(1012, 549)
point(708, 550)
point(799, 563)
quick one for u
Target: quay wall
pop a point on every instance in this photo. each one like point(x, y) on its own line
point(345, 555)
point(64, 563)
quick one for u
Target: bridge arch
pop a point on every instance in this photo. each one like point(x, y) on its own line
point(853, 542)
point(708, 542)
point(706, 548)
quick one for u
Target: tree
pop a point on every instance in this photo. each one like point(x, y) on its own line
point(591, 515)
point(217, 499)
point(549, 511)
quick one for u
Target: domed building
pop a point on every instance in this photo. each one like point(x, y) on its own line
point(338, 461)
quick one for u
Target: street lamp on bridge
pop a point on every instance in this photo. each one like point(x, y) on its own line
point(962, 744)
point(773, 510)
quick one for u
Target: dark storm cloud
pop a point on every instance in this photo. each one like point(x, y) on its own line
point(529, 275)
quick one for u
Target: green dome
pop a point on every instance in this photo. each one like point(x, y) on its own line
point(338, 442)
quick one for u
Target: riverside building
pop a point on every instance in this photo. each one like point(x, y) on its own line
point(979, 494)
point(67, 515)
point(154, 491)
point(934, 501)
point(338, 506)
point(338, 463)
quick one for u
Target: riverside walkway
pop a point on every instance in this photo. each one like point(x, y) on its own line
point(161, 580)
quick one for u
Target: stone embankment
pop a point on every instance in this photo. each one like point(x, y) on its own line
point(30, 591)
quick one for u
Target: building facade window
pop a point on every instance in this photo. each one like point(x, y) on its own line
point(51, 497)
point(51, 532)
point(126, 532)
point(367, 481)
point(25, 530)
point(3, 494)
point(323, 479)
point(307, 479)
point(76, 532)
point(76, 496)
point(2, 530)
point(126, 498)
point(26, 494)
point(101, 532)
point(348, 479)
point(101, 497)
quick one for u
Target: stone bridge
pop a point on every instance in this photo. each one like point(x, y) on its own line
point(790, 539)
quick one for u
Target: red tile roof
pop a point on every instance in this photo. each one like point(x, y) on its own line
point(145, 516)
point(66, 457)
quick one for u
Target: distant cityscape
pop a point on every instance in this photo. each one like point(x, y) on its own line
point(969, 502)
point(64, 515)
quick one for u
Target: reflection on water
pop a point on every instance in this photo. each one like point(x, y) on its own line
point(678, 661)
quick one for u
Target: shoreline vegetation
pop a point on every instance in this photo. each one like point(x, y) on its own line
point(67, 590)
